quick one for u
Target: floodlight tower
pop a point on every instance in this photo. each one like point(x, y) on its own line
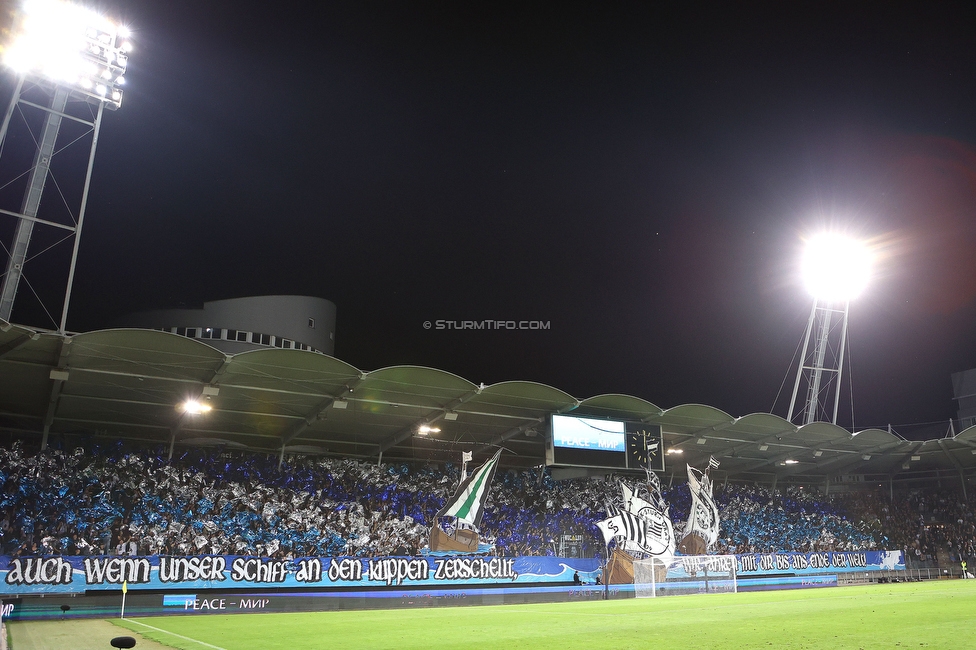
point(64, 55)
point(835, 270)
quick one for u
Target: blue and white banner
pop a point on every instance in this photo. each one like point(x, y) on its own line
point(819, 562)
point(57, 574)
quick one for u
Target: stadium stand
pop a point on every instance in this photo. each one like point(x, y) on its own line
point(109, 500)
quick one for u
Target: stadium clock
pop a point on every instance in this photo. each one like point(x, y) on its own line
point(601, 443)
point(645, 446)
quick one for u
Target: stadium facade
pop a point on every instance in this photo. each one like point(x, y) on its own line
point(242, 324)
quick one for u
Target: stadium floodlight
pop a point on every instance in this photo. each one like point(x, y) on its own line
point(835, 270)
point(70, 45)
point(66, 52)
point(425, 429)
point(194, 407)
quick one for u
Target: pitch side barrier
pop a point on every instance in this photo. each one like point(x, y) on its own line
point(92, 586)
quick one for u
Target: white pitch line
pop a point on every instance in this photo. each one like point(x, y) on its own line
point(185, 638)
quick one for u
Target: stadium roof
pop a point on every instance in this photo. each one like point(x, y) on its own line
point(129, 384)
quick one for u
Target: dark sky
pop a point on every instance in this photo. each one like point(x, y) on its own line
point(637, 175)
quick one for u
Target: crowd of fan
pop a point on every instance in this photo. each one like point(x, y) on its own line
point(922, 523)
point(757, 518)
point(109, 501)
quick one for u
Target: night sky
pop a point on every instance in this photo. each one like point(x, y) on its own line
point(638, 175)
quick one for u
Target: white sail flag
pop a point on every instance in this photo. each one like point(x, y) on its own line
point(610, 528)
point(652, 534)
point(625, 526)
point(626, 492)
point(468, 503)
point(703, 518)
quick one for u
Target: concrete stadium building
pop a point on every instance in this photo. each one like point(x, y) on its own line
point(242, 324)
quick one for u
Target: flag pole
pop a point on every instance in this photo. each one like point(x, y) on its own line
point(125, 588)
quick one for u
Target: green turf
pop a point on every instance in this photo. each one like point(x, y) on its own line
point(929, 615)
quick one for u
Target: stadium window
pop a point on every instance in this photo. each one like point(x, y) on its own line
point(181, 331)
point(243, 336)
point(277, 342)
point(230, 335)
point(311, 323)
point(192, 332)
point(208, 333)
point(288, 345)
point(265, 339)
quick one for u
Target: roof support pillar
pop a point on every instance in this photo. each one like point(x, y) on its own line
point(172, 437)
point(958, 465)
point(58, 375)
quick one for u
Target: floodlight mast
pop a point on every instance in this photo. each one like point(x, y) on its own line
point(66, 53)
point(827, 357)
point(836, 269)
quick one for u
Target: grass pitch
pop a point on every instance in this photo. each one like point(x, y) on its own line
point(930, 615)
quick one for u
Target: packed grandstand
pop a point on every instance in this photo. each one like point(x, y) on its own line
point(111, 499)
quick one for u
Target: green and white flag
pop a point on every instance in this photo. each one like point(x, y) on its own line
point(468, 503)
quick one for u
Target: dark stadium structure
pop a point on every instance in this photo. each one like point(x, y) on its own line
point(128, 384)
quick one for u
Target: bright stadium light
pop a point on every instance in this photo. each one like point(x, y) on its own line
point(193, 407)
point(70, 62)
point(69, 45)
point(835, 268)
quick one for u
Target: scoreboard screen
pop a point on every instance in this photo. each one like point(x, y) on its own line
point(599, 443)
